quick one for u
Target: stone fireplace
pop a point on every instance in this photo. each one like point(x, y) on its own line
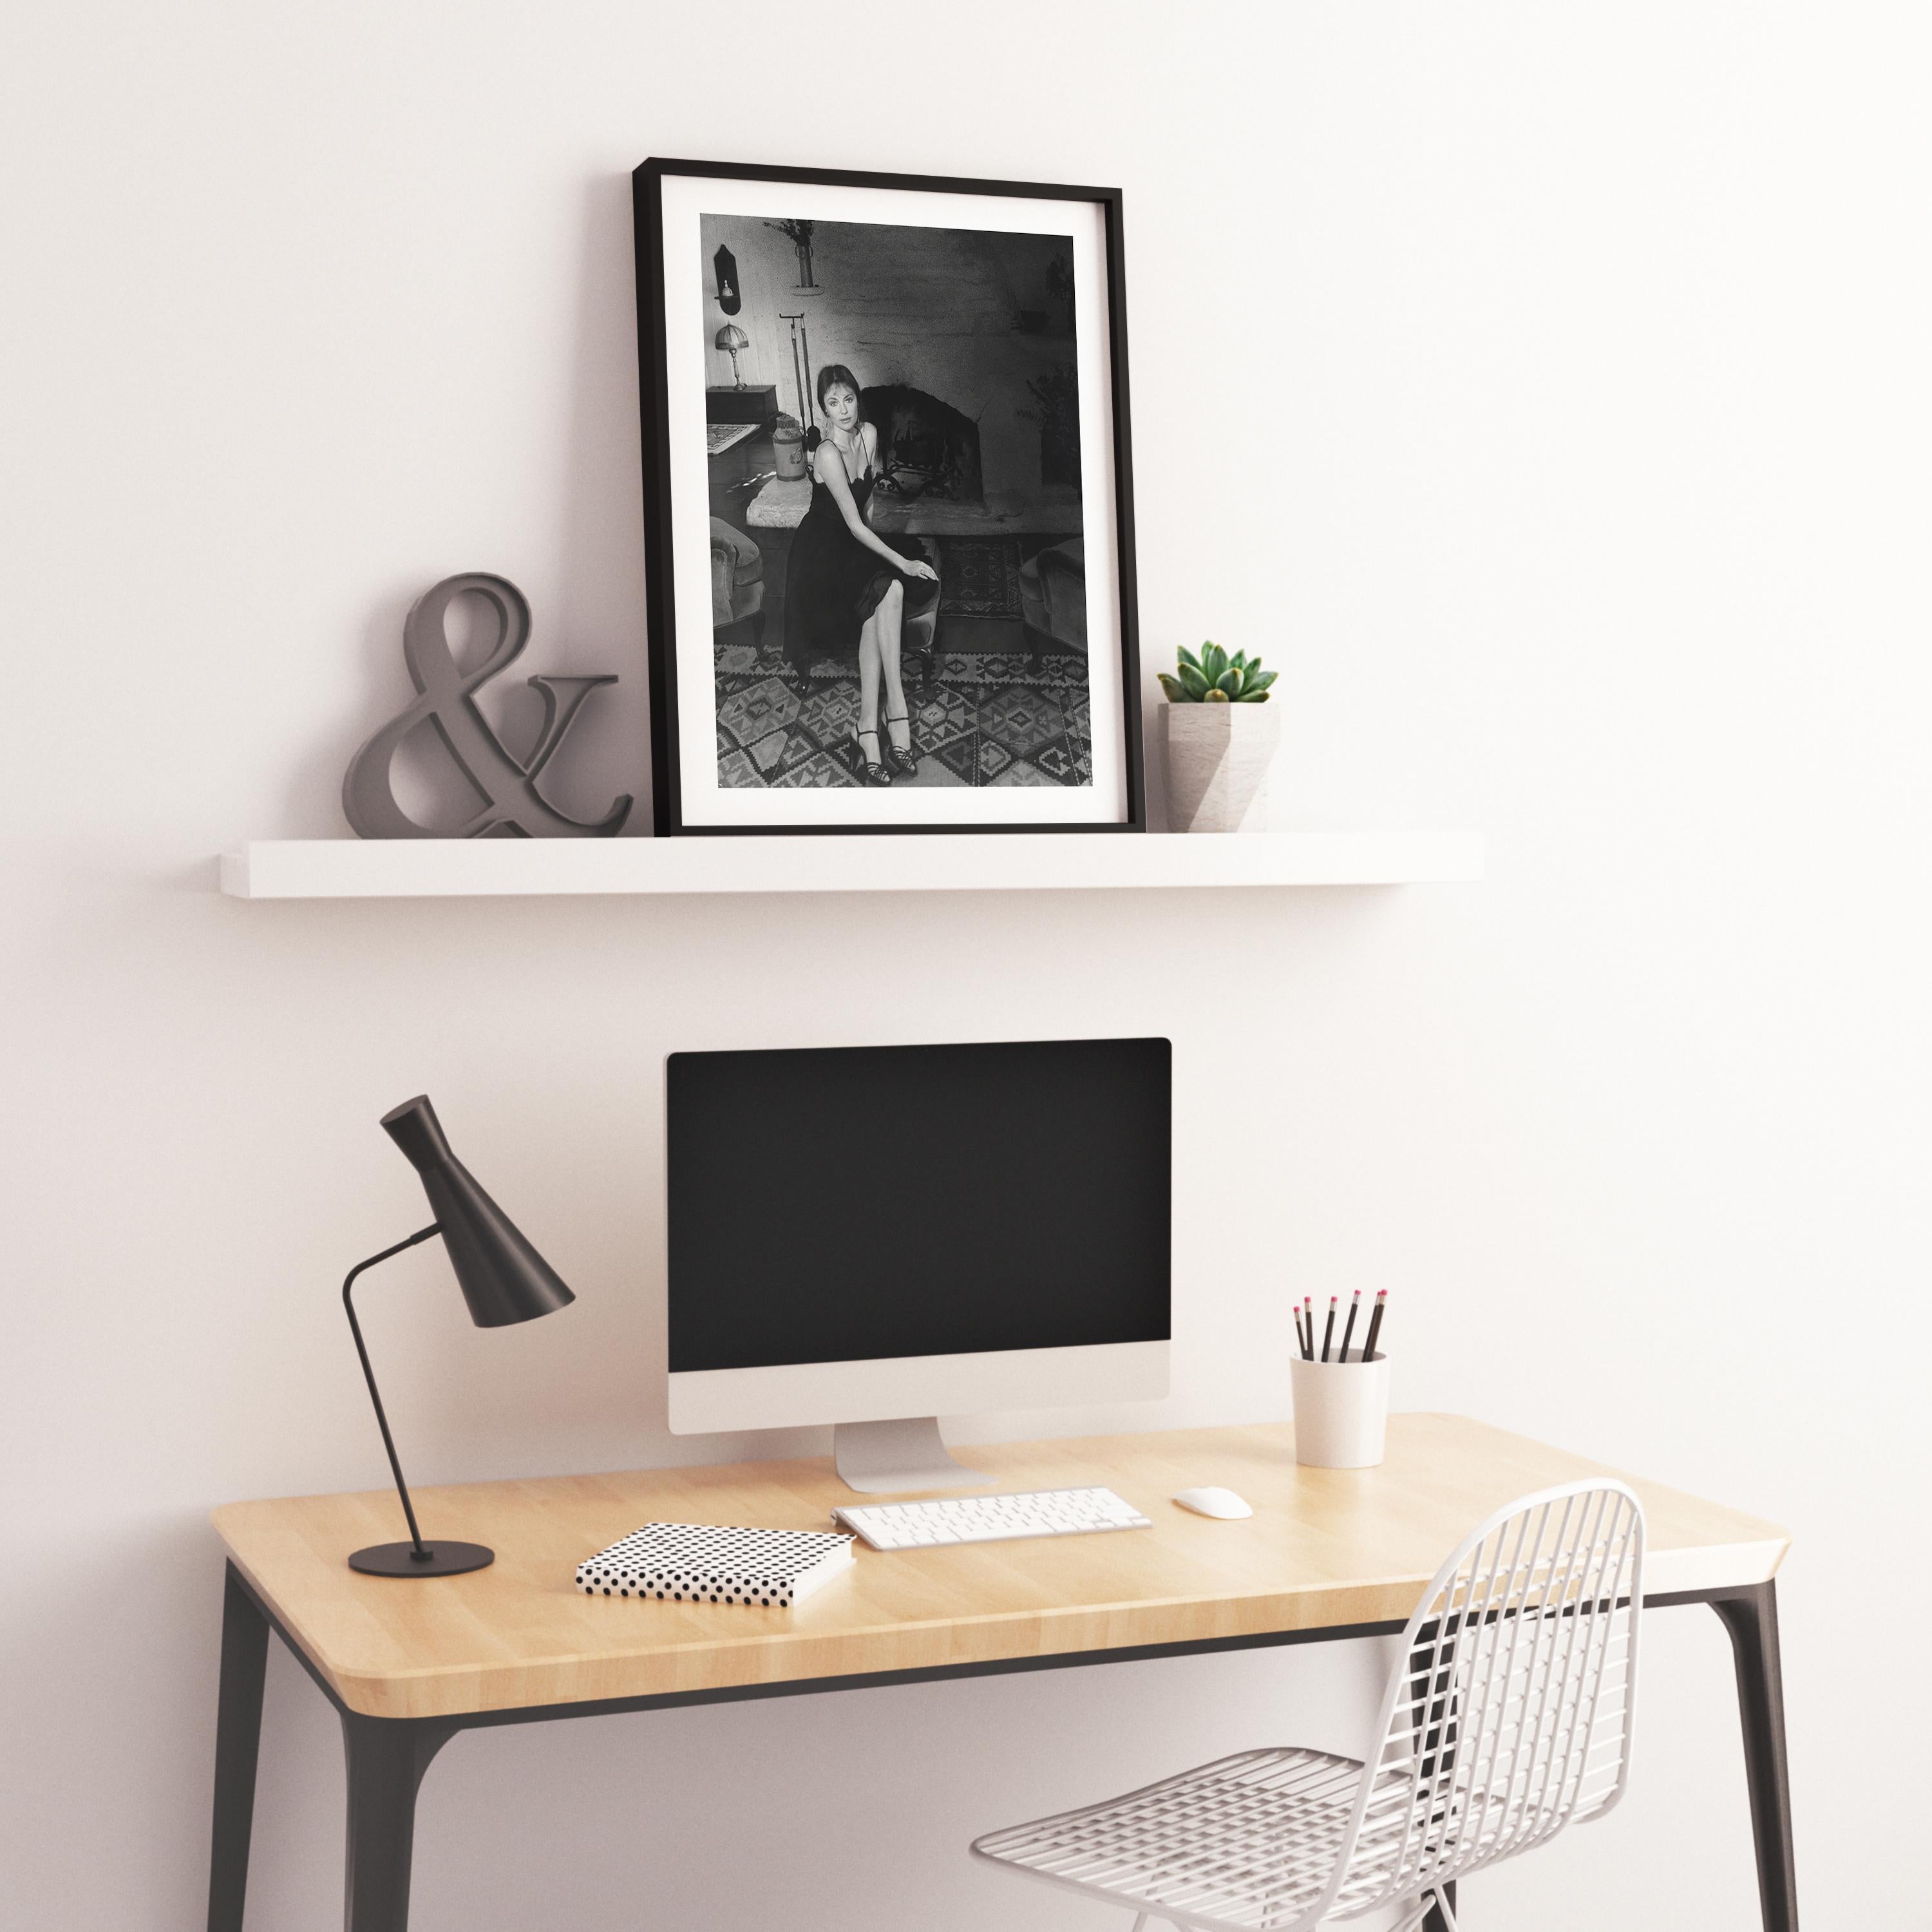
point(928, 449)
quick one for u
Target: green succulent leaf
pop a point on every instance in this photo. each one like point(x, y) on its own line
point(1213, 677)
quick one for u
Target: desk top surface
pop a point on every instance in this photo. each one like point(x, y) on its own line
point(1325, 1549)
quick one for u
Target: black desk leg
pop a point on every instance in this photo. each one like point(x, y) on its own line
point(387, 1758)
point(238, 1741)
point(1435, 1922)
point(1751, 1618)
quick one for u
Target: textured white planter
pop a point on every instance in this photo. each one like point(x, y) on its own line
point(1217, 766)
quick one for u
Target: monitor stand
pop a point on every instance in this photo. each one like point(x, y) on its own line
point(881, 1458)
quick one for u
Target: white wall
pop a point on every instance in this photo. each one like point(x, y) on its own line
point(1571, 461)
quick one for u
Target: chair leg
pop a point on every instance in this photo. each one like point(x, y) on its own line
point(1435, 1906)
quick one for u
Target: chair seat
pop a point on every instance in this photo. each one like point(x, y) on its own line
point(1248, 1843)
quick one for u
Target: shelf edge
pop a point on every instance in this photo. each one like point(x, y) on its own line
point(349, 869)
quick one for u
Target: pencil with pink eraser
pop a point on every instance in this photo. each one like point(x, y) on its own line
point(1354, 1308)
point(1374, 1326)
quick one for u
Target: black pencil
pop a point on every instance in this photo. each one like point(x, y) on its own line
point(1300, 1339)
point(1354, 1308)
point(1308, 1318)
point(1374, 1326)
point(1328, 1332)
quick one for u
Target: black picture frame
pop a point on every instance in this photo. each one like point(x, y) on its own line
point(660, 520)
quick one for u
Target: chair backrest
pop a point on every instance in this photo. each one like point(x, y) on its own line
point(1509, 1714)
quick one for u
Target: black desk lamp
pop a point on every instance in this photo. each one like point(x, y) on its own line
point(503, 1278)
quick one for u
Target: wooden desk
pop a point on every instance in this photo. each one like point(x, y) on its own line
point(1327, 1554)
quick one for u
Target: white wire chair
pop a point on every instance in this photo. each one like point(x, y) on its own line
point(1508, 1717)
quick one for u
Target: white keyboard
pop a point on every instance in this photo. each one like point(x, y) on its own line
point(989, 1519)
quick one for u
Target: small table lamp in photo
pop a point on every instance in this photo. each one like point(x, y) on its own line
point(731, 338)
point(504, 1280)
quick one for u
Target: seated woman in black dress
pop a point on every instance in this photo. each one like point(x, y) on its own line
point(847, 587)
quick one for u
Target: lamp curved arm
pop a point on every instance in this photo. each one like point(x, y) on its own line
point(369, 1375)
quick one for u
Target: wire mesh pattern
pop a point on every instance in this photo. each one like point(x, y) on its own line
point(1252, 1840)
point(1508, 1717)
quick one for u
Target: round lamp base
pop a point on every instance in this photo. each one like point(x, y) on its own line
point(399, 1559)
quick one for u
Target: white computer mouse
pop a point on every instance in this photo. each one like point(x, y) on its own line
point(1223, 1503)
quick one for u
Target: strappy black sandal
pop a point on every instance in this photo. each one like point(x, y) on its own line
point(868, 770)
point(906, 762)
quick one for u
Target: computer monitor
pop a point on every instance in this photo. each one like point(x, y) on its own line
point(875, 1237)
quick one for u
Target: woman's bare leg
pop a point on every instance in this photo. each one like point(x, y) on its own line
point(868, 677)
point(887, 617)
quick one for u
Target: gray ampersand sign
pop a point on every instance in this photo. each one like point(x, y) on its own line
point(445, 699)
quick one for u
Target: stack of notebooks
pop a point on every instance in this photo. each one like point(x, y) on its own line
point(705, 1563)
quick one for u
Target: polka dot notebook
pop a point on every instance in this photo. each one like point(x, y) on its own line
point(706, 1563)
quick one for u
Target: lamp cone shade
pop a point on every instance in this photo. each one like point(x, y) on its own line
point(503, 1278)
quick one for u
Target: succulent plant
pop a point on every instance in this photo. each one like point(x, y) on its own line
point(1215, 678)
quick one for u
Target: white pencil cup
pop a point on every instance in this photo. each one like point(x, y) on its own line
point(1341, 1410)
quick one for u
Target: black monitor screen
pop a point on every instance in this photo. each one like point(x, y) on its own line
point(856, 1204)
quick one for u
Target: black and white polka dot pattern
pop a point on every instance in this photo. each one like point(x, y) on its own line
point(709, 1563)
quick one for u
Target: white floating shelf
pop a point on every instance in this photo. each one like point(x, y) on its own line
point(346, 868)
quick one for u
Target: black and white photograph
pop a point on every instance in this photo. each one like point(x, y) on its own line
point(914, 611)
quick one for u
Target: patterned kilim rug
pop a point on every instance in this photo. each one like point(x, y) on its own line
point(980, 577)
point(980, 718)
